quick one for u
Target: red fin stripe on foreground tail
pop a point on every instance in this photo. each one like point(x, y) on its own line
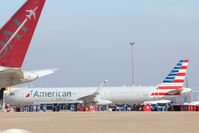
point(16, 35)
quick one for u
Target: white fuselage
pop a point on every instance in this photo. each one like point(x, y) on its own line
point(115, 95)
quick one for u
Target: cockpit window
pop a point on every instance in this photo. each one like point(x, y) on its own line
point(12, 94)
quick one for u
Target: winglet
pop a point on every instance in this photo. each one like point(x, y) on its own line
point(100, 87)
point(93, 97)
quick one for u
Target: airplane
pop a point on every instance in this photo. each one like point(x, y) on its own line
point(172, 86)
point(15, 37)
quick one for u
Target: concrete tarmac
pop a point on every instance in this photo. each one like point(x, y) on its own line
point(102, 122)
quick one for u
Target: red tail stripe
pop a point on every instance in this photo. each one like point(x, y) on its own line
point(178, 81)
point(186, 61)
point(181, 74)
point(183, 67)
point(169, 87)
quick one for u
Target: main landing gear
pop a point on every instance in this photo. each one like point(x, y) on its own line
point(2, 96)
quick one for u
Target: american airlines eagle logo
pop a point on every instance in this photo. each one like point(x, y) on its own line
point(29, 94)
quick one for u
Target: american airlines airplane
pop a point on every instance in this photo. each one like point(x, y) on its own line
point(15, 37)
point(172, 86)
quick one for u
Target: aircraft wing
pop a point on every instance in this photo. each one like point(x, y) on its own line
point(93, 98)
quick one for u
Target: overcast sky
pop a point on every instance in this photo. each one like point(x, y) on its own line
point(88, 40)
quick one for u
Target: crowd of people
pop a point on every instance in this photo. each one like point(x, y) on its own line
point(75, 107)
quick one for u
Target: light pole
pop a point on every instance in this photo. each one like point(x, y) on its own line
point(133, 82)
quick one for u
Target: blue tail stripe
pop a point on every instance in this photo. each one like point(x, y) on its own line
point(168, 81)
point(170, 77)
point(177, 67)
point(179, 64)
point(172, 74)
point(174, 71)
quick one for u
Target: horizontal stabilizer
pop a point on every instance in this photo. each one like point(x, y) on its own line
point(45, 72)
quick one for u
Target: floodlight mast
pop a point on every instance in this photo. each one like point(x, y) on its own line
point(133, 80)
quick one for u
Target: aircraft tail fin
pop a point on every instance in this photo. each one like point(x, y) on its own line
point(176, 78)
point(174, 82)
point(16, 34)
